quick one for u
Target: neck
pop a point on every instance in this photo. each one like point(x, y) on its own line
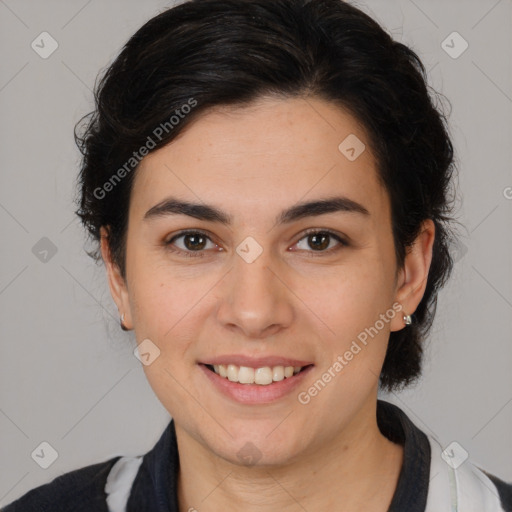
point(358, 468)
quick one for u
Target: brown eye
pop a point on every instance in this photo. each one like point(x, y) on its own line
point(192, 242)
point(321, 242)
point(195, 241)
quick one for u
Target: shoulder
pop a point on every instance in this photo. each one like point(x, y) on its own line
point(437, 479)
point(80, 490)
point(504, 490)
point(456, 480)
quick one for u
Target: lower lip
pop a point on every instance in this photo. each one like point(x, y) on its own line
point(255, 393)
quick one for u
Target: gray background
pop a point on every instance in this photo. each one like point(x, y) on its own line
point(68, 375)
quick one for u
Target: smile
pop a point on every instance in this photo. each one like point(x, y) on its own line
point(252, 393)
point(262, 376)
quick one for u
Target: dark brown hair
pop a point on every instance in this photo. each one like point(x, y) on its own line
point(206, 53)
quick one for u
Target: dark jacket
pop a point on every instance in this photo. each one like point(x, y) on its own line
point(431, 479)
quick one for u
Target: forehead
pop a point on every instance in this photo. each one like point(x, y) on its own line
point(273, 152)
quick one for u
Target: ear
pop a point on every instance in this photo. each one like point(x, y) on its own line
point(116, 282)
point(412, 279)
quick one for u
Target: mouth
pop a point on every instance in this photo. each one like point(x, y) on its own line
point(255, 386)
point(262, 376)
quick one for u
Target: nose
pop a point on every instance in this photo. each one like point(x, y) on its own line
point(255, 300)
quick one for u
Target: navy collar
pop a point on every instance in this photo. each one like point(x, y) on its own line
point(155, 488)
point(412, 488)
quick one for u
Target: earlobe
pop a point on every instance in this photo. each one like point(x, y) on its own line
point(116, 281)
point(414, 275)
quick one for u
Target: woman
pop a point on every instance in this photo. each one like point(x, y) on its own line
point(268, 183)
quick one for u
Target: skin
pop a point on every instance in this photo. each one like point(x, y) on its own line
point(254, 162)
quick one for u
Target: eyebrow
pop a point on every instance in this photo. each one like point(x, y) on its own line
point(173, 206)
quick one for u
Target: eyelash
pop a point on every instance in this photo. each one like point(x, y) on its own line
point(200, 254)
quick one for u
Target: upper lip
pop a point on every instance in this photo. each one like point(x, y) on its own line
point(255, 362)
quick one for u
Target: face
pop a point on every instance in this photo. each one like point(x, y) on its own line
point(301, 288)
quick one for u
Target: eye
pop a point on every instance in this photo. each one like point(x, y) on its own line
point(320, 240)
point(193, 243)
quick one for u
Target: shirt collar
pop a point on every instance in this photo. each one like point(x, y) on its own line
point(412, 487)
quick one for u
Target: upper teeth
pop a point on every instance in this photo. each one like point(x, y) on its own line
point(263, 376)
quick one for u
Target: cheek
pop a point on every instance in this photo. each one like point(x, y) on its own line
point(358, 311)
point(170, 311)
point(167, 314)
point(354, 298)
point(156, 296)
point(162, 310)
